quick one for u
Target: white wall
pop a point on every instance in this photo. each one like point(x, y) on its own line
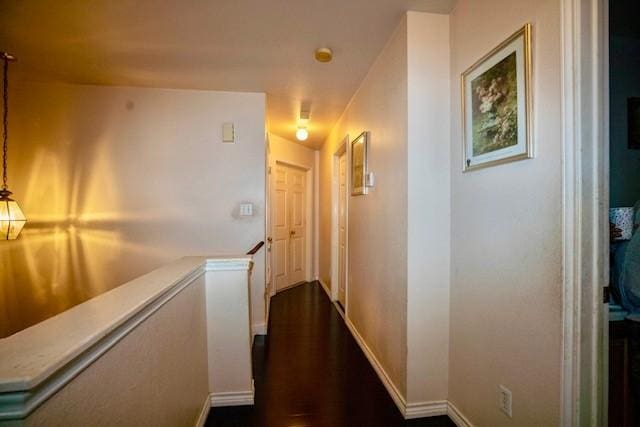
point(506, 230)
point(428, 210)
point(116, 181)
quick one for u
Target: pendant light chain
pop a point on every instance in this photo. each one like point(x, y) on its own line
point(5, 121)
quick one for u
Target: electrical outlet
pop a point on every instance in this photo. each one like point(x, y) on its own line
point(505, 401)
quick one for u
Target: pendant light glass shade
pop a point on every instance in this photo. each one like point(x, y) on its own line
point(11, 217)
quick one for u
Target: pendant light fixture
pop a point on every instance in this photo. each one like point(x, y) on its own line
point(11, 217)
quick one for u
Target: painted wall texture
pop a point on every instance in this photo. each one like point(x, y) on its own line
point(117, 181)
point(143, 380)
point(506, 235)
point(428, 209)
point(377, 239)
point(398, 254)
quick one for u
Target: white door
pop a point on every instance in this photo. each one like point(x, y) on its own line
point(342, 229)
point(289, 226)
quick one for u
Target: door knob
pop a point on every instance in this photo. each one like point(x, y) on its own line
point(292, 232)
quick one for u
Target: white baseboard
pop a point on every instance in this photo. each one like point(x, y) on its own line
point(239, 398)
point(233, 398)
point(425, 409)
point(326, 288)
point(456, 416)
point(398, 399)
point(204, 412)
point(339, 310)
point(259, 329)
point(408, 410)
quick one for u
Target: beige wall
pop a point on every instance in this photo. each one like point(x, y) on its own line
point(506, 282)
point(428, 232)
point(155, 376)
point(291, 152)
point(116, 181)
point(377, 253)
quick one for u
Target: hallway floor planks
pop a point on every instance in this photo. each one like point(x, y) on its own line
point(309, 371)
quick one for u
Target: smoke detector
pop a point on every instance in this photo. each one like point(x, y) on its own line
point(324, 54)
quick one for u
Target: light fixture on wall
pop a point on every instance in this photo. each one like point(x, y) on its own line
point(302, 134)
point(11, 217)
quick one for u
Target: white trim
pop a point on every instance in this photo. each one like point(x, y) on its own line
point(395, 394)
point(335, 189)
point(456, 416)
point(310, 189)
point(310, 217)
point(19, 404)
point(408, 410)
point(425, 409)
point(295, 285)
point(259, 329)
point(339, 309)
point(233, 398)
point(204, 412)
point(584, 211)
point(229, 264)
point(316, 213)
point(326, 288)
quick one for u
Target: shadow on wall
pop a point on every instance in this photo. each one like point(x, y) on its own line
point(83, 235)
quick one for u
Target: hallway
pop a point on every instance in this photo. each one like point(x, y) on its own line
point(309, 371)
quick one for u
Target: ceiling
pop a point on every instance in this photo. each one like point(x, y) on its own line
point(232, 45)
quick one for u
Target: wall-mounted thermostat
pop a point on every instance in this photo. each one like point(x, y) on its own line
point(228, 132)
point(370, 179)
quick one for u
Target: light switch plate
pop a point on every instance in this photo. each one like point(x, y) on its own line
point(505, 403)
point(228, 132)
point(246, 209)
point(370, 179)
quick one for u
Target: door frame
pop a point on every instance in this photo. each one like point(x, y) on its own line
point(585, 143)
point(335, 190)
point(268, 266)
point(309, 215)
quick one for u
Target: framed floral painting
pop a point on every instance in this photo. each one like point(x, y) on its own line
point(496, 104)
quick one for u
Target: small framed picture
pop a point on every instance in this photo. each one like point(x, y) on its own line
point(359, 148)
point(496, 104)
point(633, 123)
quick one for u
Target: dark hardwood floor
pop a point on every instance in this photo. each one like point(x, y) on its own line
point(309, 371)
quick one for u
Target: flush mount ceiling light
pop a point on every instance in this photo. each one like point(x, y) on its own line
point(302, 134)
point(11, 217)
point(324, 54)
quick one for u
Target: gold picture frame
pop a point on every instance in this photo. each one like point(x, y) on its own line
point(359, 160)
point(497, 105)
